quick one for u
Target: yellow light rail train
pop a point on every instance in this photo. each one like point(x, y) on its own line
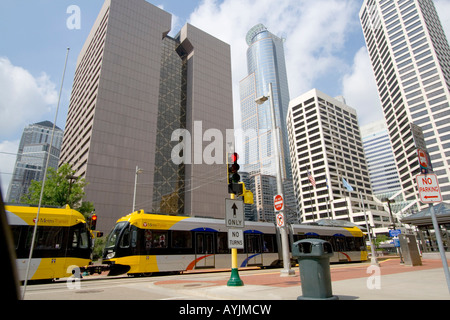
point(63, 241)
point(142, 244)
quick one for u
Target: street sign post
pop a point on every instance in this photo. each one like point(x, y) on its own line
point(234, 213)
point(429, 191)
point(278, 203)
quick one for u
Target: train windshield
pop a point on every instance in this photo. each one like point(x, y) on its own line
point(115, 234)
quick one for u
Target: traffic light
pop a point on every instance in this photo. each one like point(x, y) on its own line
point(234, 187)
point(93, 221)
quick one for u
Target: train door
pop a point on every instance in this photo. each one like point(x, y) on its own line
point(204, 250)
point(254, 249)
point(340, 247)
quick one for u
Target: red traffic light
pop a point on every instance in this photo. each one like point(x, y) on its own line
point(234, 157)
point(93, 223)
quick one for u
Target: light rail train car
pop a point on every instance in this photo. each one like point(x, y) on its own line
point(142, 244)
point(63, 241)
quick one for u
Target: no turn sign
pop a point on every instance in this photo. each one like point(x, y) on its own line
point(280, 220)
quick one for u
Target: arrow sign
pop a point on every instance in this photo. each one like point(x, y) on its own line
point(234, 213)
point(235, 208)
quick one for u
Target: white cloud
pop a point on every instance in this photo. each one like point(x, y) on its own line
point(316, 33)
point(24, 99)
point(8, 150)
point(443, 9)
point(360, 90)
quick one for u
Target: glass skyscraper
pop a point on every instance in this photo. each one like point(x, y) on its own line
point(266, 64)
point(380, 158)
point(32, 157)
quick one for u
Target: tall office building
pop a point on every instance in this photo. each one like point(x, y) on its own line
point(326, 148)
point(380, 159)
point(410, 57)
point(266, 64)
point(32, 157)
point(143, 99)
point(383, 171)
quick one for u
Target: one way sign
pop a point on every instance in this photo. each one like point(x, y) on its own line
point(234, 213)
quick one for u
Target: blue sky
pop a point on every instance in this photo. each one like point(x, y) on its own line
point(324, 47)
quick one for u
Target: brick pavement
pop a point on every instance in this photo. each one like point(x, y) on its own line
point(338, 273)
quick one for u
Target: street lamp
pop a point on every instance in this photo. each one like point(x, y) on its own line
point(373, 259)
point(287, 271)
point(138, 171)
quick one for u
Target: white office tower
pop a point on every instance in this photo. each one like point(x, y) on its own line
point(411, 61)
point(326, 150)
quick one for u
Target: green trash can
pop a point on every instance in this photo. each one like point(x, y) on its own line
point(313, 257)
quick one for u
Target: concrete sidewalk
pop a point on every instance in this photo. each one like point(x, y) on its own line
point(392, 281)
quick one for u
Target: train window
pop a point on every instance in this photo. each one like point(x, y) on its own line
point(159, 239)
point(339, 244)
point(222, 243)
point(16, 231)
point(113, 236)
point(351, 245)
point(125, 240)
point(253, 242)
point(182, 239)
point(47, 238)
point(327, 247)
point(80, 238)
point(134, 233)
point(268, 243)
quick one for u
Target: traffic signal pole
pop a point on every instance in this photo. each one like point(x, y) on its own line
point(235, 280)
point(233, 179)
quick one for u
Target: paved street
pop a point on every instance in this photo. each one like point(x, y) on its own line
point(349, 282)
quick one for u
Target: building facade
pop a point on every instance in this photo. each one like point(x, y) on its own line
point(265, 64)
point(410, 57)
point(326, 148)
point(34, 148)
point(143, 99)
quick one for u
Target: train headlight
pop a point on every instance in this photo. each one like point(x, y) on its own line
point(110, 255)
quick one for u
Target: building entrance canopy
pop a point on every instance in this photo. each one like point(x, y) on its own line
point(423, 217)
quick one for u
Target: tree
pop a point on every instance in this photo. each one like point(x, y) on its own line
point(380, 239)
point(61, 188)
